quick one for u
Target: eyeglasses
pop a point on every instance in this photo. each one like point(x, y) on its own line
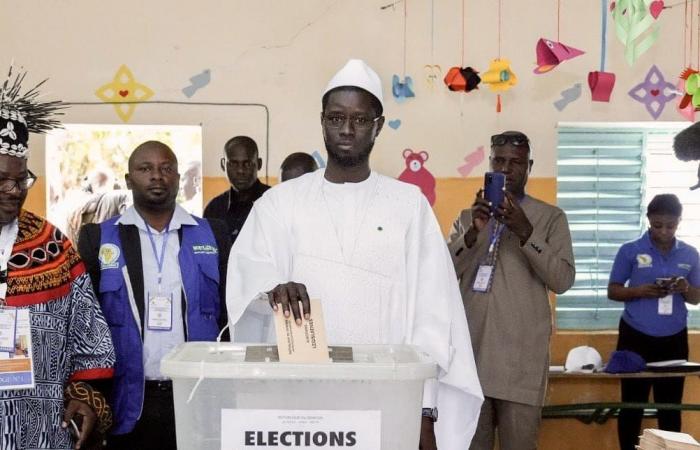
point(516, 140)
point(8, 184)
point(231, 164)
point(359, 122)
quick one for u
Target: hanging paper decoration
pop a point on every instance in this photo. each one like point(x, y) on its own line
point(692, 89)
point(500, 77)
point(684, 106)
point(416, 173)
point(550, 54)
point(600, 82)
point(636, 26)
point(432, 71)
point(464, 79)
point(432, 74)
point(687, 88)
point(687, 81)
point(402, 90)
point(654, 92)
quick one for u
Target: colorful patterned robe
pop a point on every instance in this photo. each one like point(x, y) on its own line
point(70, 338)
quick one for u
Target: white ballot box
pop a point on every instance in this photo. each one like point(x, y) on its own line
point(370, 401)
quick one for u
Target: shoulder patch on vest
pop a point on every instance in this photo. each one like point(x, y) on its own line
point(204, 249)
point(109, 256)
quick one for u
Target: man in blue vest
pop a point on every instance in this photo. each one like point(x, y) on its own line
point(160, 277)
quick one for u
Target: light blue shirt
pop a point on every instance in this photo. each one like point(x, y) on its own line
point(156, 343)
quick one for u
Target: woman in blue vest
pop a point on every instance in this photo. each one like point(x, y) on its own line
point(654, 276)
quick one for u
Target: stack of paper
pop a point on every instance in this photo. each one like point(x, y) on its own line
point(653, 439)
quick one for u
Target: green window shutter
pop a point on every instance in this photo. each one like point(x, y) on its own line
point(600, 184)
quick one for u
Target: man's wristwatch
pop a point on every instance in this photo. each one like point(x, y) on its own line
point(431, 413)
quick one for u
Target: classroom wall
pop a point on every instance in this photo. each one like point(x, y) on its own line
point(279, 56)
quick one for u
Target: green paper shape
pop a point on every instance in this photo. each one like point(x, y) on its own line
point(692, 87)
point(636, 28)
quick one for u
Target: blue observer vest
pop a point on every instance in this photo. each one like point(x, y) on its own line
point(199, 269)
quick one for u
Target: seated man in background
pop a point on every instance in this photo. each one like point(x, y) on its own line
point(296, 165)
point(161, 276)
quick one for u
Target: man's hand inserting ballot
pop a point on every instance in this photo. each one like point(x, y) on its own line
point(289, 295)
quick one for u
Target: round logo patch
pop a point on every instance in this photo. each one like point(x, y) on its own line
point(643, 260)
point(109, 256)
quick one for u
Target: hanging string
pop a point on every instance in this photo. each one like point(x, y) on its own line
point(690, 56)
point(558, 18)
point(686, 61)
point(462, 64)
point(604, 33)
point(499, 29)
point(432, 31)
point(405, 15)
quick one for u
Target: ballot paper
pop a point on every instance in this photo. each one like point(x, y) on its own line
point(305, 343)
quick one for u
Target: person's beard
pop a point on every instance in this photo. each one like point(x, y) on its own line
point(352, 160)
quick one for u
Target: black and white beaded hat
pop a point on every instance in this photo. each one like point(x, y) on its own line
point(22, 113)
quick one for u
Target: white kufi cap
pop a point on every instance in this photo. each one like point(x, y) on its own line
point(357, 73)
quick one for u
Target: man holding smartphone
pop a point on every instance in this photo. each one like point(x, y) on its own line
point(507, 257)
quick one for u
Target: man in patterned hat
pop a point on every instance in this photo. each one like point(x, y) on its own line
point(47, 306)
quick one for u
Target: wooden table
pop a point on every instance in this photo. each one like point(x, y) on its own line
point(600, 412)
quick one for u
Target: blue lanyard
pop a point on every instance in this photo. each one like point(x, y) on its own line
point(161, 258)
point(495, 234)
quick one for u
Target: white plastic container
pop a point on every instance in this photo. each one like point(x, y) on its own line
point(382, 378)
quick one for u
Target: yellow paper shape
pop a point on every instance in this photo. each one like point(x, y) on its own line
point(500, 77)
point(124, 91)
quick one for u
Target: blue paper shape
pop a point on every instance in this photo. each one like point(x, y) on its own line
point(402, 90)
point(567, 96)
point(198, 82)
point(319, 159)
point(394, 124)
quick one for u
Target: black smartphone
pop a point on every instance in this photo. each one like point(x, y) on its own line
point(494, 189)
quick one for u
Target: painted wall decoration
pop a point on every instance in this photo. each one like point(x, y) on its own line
point(197, 82)
point(416, 173)
point(394, 124)
point(123, 90)
point(654, 92)
point(567, 96)
point(471, 161)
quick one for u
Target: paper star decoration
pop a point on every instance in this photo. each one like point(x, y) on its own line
point(123, 91)
point(654, 92)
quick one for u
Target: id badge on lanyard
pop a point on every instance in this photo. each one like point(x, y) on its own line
point(484, 274)
point(666, 305)
point(160, 306)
